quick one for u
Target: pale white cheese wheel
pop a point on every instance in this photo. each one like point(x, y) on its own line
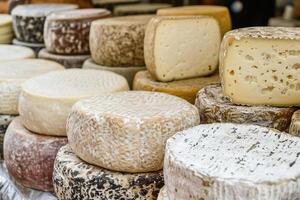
point(12, 52)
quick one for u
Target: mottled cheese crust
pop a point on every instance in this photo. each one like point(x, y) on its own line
point(295, 125)
point(12, 53)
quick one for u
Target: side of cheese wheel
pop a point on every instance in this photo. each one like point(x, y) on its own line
point(4, 122)
point(29, 157)
point(14, 73)
point(172, 53)
point(220, 13)
point(12, 52)
point(186, 89)
point(261, 65)
point(232, 161)
point(214, 107)
point(67, 32)
point(6, 29)
point(139, 9)
point(127, 131)
point(5, 20)
point(295, 124)
point(46, 101)
point(36, 47)
point(6, 39)
point(163, 195)
point(73, 179)
point(119, 41)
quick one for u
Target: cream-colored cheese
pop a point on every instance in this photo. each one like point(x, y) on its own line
point(163, 195)
point(12, 52)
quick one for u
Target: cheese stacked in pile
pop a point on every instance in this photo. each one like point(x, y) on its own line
point(6, 30)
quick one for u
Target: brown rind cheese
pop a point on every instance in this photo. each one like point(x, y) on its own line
point(295, 124)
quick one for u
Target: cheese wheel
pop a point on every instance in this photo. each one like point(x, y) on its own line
point(12, 52)
point(67, 32)
point(172, 53)
point(29, 157)
point(13, 74)
point(214, 107)
point(6, 29)
point(232, 161)
point(186, 89)
point(69, 61)
point(127, 72)
point(74, 179)
point(220, 13)
point(295, 124)
point(101, 2)
point(29, 19)
point(5, 20)
point(163, 195)
point(7, 38)
point(4, 122)
point(36, 47)
point(138, 9)
point(127, 131)
point(46, 101)
point(119, 41)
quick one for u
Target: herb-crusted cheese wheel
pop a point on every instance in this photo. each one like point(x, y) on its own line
point(214, 107)
point(4, 122)
point(139, 9)
point(261, 65)
point(127, 131)
point(12, 52)
point(36, 47)
point(172, 53)
point(29, 157)
point(67, 32)
point(163, 195)
point(119, 41)
point(73, 179)
point(186, 89)
point(28, 20)
point(295, 124)
point(14, 73)
point(46, 101)
point(232, 161)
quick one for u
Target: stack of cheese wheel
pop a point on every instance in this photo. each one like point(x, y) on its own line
point(28, 23)
point(117, 45)
point(181, 62)
point(66, 36)
point(6, 30)
point(33, 139)
point(116, 145)
point(139, 9)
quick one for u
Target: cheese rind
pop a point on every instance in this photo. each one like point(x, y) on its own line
point(4, 122)
point(139, 9)
point(100, 184)
point(36, 47)
point(46, 100)
point(260, 66)
point(127, 131)
point(295, 124)
point(172, 53)
point(232, 161)
point(163, 195)
point(5, 20)
point(6, 39)
point(186, 89)
point(214, 107)
point(12, 52)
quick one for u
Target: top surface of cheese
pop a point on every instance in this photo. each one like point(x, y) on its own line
point(140, 7)
point(127, 20)
point(13, 52)
point(5, 19)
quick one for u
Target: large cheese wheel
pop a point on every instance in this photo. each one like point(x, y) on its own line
point(36, 47)
point(163, 195)
point(232, 161)
point(119, 41)
point(69, 61)
point(295, 124)
point(214, 107)
point(12, 52)
point(186, 89)
point(29, 157)
point(45, 101)
point(139, 9)
point(74, 179)
point(127, 72)
point(28, 20)
point(67, 32)
point(4, 122)
point(127, 131)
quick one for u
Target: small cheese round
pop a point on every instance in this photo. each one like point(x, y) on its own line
point(6, 29)
point(29, 157)
point(163, 195)
point(5, 20)
point(127, 131)
point(7, 38)
point(12, 52)
point(36, 47)
point(295, 124)
point(4, 122)
point(138, 9)
point(119, 41)
point(46, 100)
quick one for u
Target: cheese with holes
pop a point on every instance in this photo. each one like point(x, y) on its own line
point(36, 47)
point(295, 125)
point(29, 157)
point(232, 161)
point(261, 65)
point(186, 89)
point(214, 107)
point(46, 101)
point(73, 179)
point(69, 61)
point(127, 72)
point(220, 13)
point(180, 47)
point(163, 195)
point(139, 9)
point(127, 131)
point(67, 32)
point(119, 41)
point(12, 52)
point(4, 122)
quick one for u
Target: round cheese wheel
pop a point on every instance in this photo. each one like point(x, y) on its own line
point(29, 157)
point(127, 131)
point(295, 124)
point(163, 195)
point(74, 179)
point(36, 47)
point(4, 122)
point(6, 29)
point(5, 20)
point(46, 100)
point(12, 52)
point(7, 38)
point(139, 9)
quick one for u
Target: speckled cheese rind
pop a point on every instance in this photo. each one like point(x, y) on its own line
point(67, 32)
point(73, 179)
point(119, 41)
point(13, 52)
point(214, 107)
point(232, 161)
point(36, 47)
point(163, 195)
point(186, 89)
point(29, 157)
point(46, 100)
point(260, 66)
point(295, 124)
point(139, 9)
point(127, 131)
point(4, 122)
